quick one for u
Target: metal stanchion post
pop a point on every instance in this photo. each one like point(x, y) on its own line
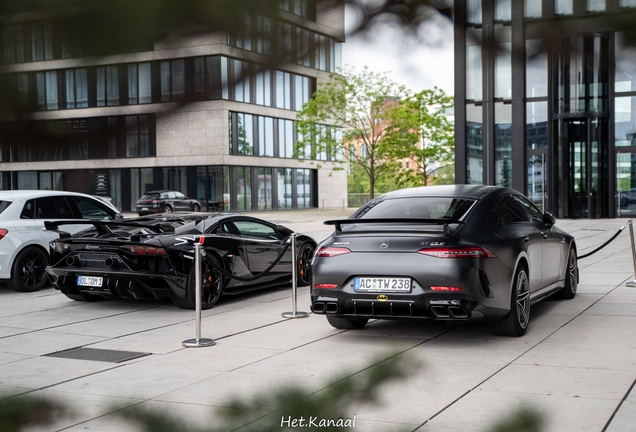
point(294, 313)
point(198, 342)
point(631, 237)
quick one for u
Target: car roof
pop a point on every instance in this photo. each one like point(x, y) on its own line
point(161, 191)
point(11, 195)
point(457, 191)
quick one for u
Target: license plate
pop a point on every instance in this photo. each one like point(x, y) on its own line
point(144, 208)
point(90, 281)
point(382, 284)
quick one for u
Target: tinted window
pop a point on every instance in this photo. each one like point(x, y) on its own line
point(415, 208)
point(531, 212)
point(27, 210)
point(52, 208)
point(4, 205)
point(150, 196)
point(90, 209)
point(506, 211)
point(179, 195)
point(255, 230)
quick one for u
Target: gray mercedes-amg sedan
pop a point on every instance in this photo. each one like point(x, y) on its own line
point(445, 253)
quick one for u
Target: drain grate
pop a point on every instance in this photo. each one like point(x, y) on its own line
point(94, 354)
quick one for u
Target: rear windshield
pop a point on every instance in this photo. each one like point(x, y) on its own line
point(4, 205)
point(150, 196)
point(415, 208)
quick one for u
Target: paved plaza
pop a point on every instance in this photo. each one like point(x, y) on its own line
point(577, 362)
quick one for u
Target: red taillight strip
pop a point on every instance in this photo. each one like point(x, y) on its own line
point(446, 288)
point(325, 286)
point(144, 250)
point(458, 252)
point(327, 252)
point(3, 232)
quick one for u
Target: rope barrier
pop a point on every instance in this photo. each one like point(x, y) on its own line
point(604, 244)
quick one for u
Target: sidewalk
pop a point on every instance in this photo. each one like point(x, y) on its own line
point(576, 364)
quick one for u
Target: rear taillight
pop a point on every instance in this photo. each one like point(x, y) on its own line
point(445, 288)
point(3, 232)
point(325, 286)
point(327, 252)
point(458, 252)
point(144, 250)
point(59, 247)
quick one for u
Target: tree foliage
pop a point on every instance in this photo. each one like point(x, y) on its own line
point(377, 129)
point(435, 148)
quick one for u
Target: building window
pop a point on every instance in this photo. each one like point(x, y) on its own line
point(474, 144)
point(137, 138)
point(111, 133)
point(301, 91)
point(46, 83)
point(243, 188)
point(283, 90)
point(285, 138)
point(533, 9)
point(595, 5)
point(297, 7)
point(41, 41)
point(284, 40)
point(264, 188)
point(536, 125)
point(625, 121)
point(320, 58)
point(625, 75)
point(474, 75)
point(76, 88)
point(536, 69)
point(172, 79)
point(241, 81)
point(284, 188)
point(303, 188)
point(503, 144)
point(263, 35)
point(139, 84)
point(473, 11)
point(628, 3)
point(265, 136)
point(503, 63)
point(107, 79)
point(263, 84)
point(563, 7)
point(503, 10)
point(13, 43)
point(141, 181)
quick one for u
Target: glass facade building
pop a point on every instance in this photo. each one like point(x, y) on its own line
point(208, 116)
point(544, 108)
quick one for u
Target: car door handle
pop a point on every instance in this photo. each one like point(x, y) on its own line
point(562, 239)
point(526, 238)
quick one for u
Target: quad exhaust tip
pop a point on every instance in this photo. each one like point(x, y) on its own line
point(449, 312)
point(325, 307)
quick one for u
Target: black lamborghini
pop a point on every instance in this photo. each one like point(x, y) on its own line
point(153, 258)
point(445, 253)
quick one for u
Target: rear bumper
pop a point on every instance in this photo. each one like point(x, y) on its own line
point(119, 283)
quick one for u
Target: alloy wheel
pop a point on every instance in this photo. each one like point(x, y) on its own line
point(523, 299)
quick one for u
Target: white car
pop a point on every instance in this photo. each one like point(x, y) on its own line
point(24, 243)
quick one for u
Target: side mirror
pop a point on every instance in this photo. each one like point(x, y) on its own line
point(548, 218)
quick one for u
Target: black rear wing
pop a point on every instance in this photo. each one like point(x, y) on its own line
point(339, 222)
point(106, 227)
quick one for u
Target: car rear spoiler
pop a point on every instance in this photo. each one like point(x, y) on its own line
point(104, 227)
point(339, 222)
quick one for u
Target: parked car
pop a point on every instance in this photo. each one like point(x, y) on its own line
point(152, 258)
point(628, 197)
point(444, 253)
point(163, 201)
point(24, 244)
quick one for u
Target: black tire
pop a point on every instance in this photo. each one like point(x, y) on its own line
point(571, 277)
point(211, 286)
point(347, 323)
point(167, 209)
point(28, 273)
point(303, 264)
point(84, 297)
point(515, 323)
point(196, 208)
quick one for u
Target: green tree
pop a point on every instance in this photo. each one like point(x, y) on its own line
point(377, 129)
point(435, 148)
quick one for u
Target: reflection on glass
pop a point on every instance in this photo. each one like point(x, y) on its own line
point(503, 144)
point(132, 137)
point(473, 11)
point(625, 121)
point(563, 7)
point(625, 75)
point(474, 82)
point(536, 179)
point(626, 179)
point(536, 69)
point(145, 89)
point(536, 125)
point(503, 11)
point(243, 188)
point(284, 187)
point(595, 5)
point(264, 182)
point(303, 188)
point(533, 9)
point(628, 3)
point(474, 145)
point(503, 63)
